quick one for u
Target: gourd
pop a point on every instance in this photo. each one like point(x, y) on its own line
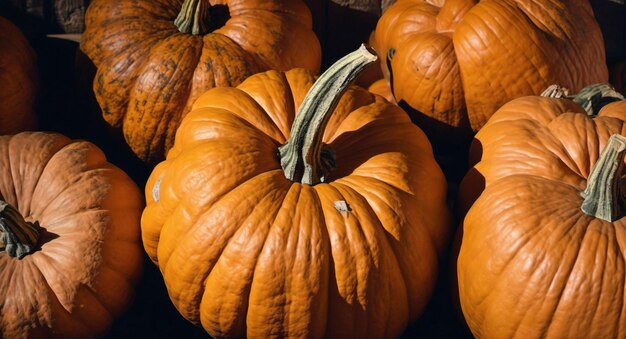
point(327, 222)
point(453, 63)
point(70, 250)
point(541, 253)
point(154, 58)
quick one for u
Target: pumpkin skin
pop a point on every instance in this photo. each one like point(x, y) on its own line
point(381, 87)
point(149, 73)
point(89, 255)
point(457, 61)
point(532, 263)
point(246, 252)
point(18, 80)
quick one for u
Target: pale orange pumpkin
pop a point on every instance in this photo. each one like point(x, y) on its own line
point(70, 251)
point(336, 233)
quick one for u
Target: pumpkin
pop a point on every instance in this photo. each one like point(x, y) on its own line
point(18, 80)
point(455, 62)
point(541, 254)
point(325, 222)
point(154, 58)
point(70, 247)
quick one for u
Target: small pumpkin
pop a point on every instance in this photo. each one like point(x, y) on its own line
point(323, 223)
point(154, 58)
point(542, 250)
point(70, 250)
point(18, 80)
point(455, 62)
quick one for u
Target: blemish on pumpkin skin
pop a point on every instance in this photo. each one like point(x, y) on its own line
point(343, 207)
point(156, 192)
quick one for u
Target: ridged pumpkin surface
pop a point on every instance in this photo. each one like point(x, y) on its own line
point(458, 61)
point(149, 73)
point(532, 263)
point(245, 251)
point(18, 80)
point(81, 274)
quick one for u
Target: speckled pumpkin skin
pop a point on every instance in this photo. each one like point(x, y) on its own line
point(149, 73)
point(18, 80)
point(246, 252)
point(90, 253)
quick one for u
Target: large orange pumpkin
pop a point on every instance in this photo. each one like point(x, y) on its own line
point(455, 62)
point(335, 233)
point(154, 58)
point(18, 80)
point(70, 250)
point(542, 253)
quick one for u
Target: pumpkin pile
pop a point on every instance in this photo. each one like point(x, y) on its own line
point(282, 200)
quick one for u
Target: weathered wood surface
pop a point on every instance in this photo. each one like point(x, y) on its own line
point(60, 16)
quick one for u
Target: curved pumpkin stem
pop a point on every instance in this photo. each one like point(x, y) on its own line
point(193, 17)
point(603, 195)
point(591, 98)
point(302, 157)
point(17, 236)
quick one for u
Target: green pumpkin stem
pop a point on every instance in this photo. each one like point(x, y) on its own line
point(17, 236)
point(603, 195)
point(591, 98)
point(303, 157)
point(193, 17)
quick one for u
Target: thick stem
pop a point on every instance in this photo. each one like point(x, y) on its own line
point(301, 156)
point(17, 236)
point(193, 17)
point(591, 98)
point(603, 195)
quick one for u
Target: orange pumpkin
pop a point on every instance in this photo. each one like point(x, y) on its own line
point(69, 238)
point(154, 58)
point(335, 233)
point(455, 62)
point(542, 250)
point(18, 80)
